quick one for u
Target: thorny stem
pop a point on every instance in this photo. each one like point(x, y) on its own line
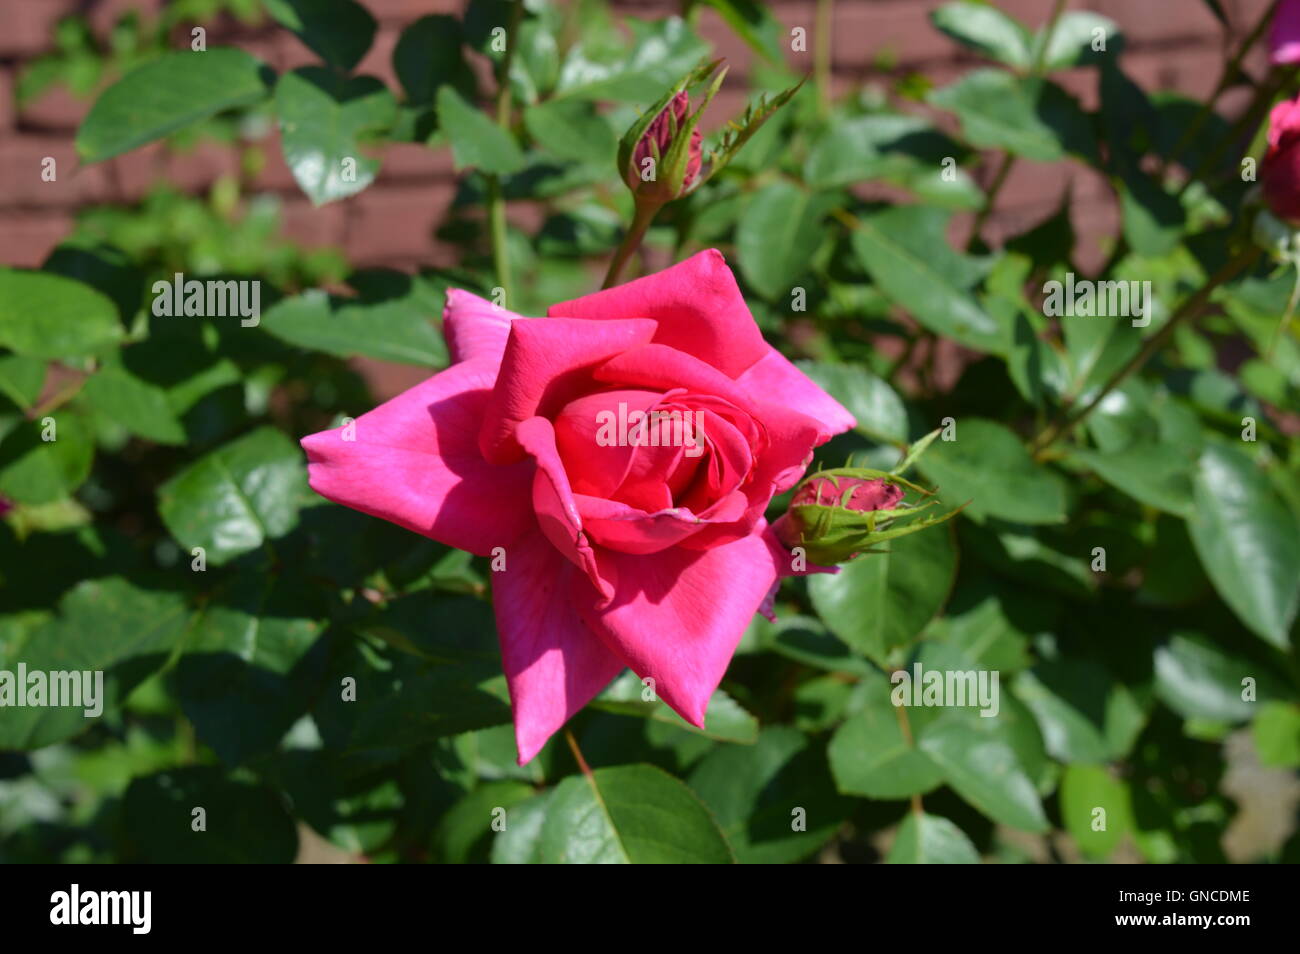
point(641, 219)
point(822, 54)
point(1250, 119)
point(495, 201)
point(1065, 421)
point(1230, 73)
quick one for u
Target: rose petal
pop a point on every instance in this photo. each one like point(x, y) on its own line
point(416, 462)
point(557, 513)
point(475, 327)
point(773, 374)
point(547, 363)
point(677, 616)
point(698, 307)
point(554, 664)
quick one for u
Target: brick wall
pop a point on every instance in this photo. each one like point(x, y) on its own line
point(1172, 44)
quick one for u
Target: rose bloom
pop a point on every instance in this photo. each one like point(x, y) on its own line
point(1280, 171)
point(1284, 33)
point(616, 553)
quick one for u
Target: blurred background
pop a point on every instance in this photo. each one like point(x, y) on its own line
point(170, 200)
point(55, 54)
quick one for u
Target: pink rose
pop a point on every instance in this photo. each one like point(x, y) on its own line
point(1280, 171)
point(1284, 33)
point(620, 550)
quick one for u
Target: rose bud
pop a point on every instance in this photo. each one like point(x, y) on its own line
point(836, 515)
point(667, 158)
point(1284, 33)
point(1280, 171)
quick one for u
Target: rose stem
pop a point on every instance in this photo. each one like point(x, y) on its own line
point(496, 205)
point(1065, 422)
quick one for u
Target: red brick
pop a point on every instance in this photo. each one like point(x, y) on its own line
point(311, 225)
point(56, 109)
point(28, 25)
point(408, 11)
point(133, 173)
point(6, 100)
point(378, 61)
point(28, 237)
point(21, 166)
point(398, 222)
point(194, 170)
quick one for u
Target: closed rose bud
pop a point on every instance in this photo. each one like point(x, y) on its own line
point(832, 515)
point(661, 169)
point(1280, 172)
point(1284, 34)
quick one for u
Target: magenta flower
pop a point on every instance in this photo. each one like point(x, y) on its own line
point(1284, 33)
point(623, 546)
point(1280, 171)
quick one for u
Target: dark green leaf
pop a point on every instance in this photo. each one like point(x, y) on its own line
point(632, 814)
point(166, 94)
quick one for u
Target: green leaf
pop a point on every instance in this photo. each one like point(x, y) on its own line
point(778, 232)
point(632, 814)
point(774, 800)
point(572, 129)
point(428, 55)
point(520, 843)
point(34, 470)
point(235, 498)
point(989, 466)
point(1277, 735)
point(871, 756)
point(467, 831)
point(1198, 680)
point(339, 31)
point(21, 380)
point(240, 682)
point(724, 719)
point(1031, 118)
point(323, 118)
point(754, 23)
point(906, 250)
point(880, 411)
point(1084, 714)
point(1095, 808)
point(984, 771)
point(142, 408)
point(1153, 219)
point(881, 601)
point(1158, 475)
point(245, 823)
point(110, 625)
point(401, 328)
point(992, 624)
point(1075, 39)
point(476, 141)
point(49, 316)
point(986, 30)
point(925, 839)
point(166, 94)
point(661, 51)
point(879, 145)
point(1248, 540)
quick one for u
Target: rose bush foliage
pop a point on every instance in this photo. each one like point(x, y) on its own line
point(833, 280)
